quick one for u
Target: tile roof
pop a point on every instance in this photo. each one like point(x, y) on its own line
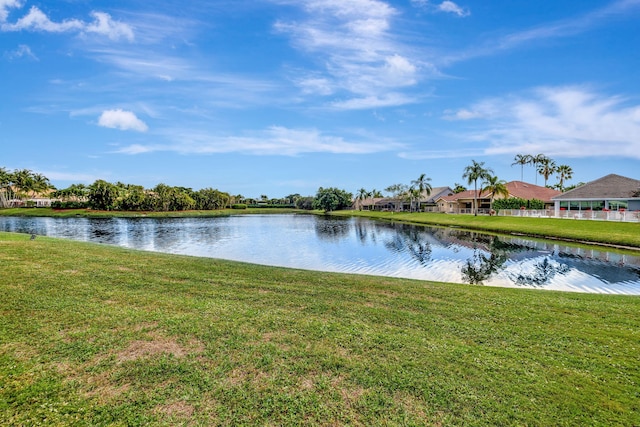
point(528, 191)
point(468, 194)
point(436, 193)
point(519, 189)
point(611, 186)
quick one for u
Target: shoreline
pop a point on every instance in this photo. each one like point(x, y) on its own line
point(613, 235)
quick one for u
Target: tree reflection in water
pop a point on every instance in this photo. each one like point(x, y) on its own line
point(543, 272)
point(411, 240)
point(481, 266)
point(333, 229)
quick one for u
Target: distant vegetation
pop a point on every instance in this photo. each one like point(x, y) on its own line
point(21, 186)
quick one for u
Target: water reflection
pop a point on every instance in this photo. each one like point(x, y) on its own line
point(356, 245)
point(412, 241)
point(481, 266)
point(542, 273)
point(333, 229)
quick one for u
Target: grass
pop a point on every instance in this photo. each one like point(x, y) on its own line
point(625, 234)
point(99, 335)
point(90, 213)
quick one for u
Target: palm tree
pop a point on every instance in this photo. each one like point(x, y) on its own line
point(546, 168)
point(5, 187)
point(422, 185)
point(495, 186)
point(39, 184)
point(362, 194)
point(564, 173)
point(537, 160)
point(473, 173)
point(459, 188)
point(522, 159)
point(23, 182)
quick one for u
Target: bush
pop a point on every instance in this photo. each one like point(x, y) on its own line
point(517, 203)
point(239, 206)
point(57, 204)
point(271, 206)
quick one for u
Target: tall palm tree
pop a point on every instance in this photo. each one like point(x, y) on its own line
point(496, 187)
point(537, 160)
point(39, 184)
point(473, 173)
point(564, 173)
point(422, 185)
point(522, 159)
point(5, 187)
point(23, 182)
point(361, 195)
point(546, 168)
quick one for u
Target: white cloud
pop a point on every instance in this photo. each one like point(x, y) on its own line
point(462, 114)
point(275, 140)
point(354, 47)
point(451, 7)
point(23, 51)
point(446, 6)
point(74, 177)
point(104, 25)
point(36, 20)
point(123, 120)
point(557, 29)
point(562, 121)
point(316, 85)
point(5, 5)
point(386, 100)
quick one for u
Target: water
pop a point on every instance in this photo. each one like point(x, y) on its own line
point(356, 245)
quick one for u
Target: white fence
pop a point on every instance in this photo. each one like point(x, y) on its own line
point(621, 216)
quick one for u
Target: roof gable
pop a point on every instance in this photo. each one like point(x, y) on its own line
point(436, 193)
point(464, 195)
point(611, 186)
point(528, 191)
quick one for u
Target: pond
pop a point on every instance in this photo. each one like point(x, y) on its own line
point(362, 246)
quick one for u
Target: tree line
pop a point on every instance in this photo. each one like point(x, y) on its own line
point(104, 195)
point(546, 167)
point(477, 173)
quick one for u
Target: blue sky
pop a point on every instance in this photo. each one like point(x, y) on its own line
point(280, 96)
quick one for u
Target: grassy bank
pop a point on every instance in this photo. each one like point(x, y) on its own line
point(90, 213)
point(99, 335)
point(603, 232)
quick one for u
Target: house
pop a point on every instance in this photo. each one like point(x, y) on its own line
point(427, 202)
point(367, 204)
point(526, 191)
point(609, 193)
point(430, 202)
point(463, 202)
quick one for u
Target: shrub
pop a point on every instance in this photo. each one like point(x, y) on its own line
point(517, 203)
point(239, 206)
point(271, 206)
point(57, 204)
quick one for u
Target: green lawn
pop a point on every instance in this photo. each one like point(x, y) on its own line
point(62, 213)
point(98, 335)
point(605, 232)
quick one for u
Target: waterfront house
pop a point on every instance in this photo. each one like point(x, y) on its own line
point(610, 193)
